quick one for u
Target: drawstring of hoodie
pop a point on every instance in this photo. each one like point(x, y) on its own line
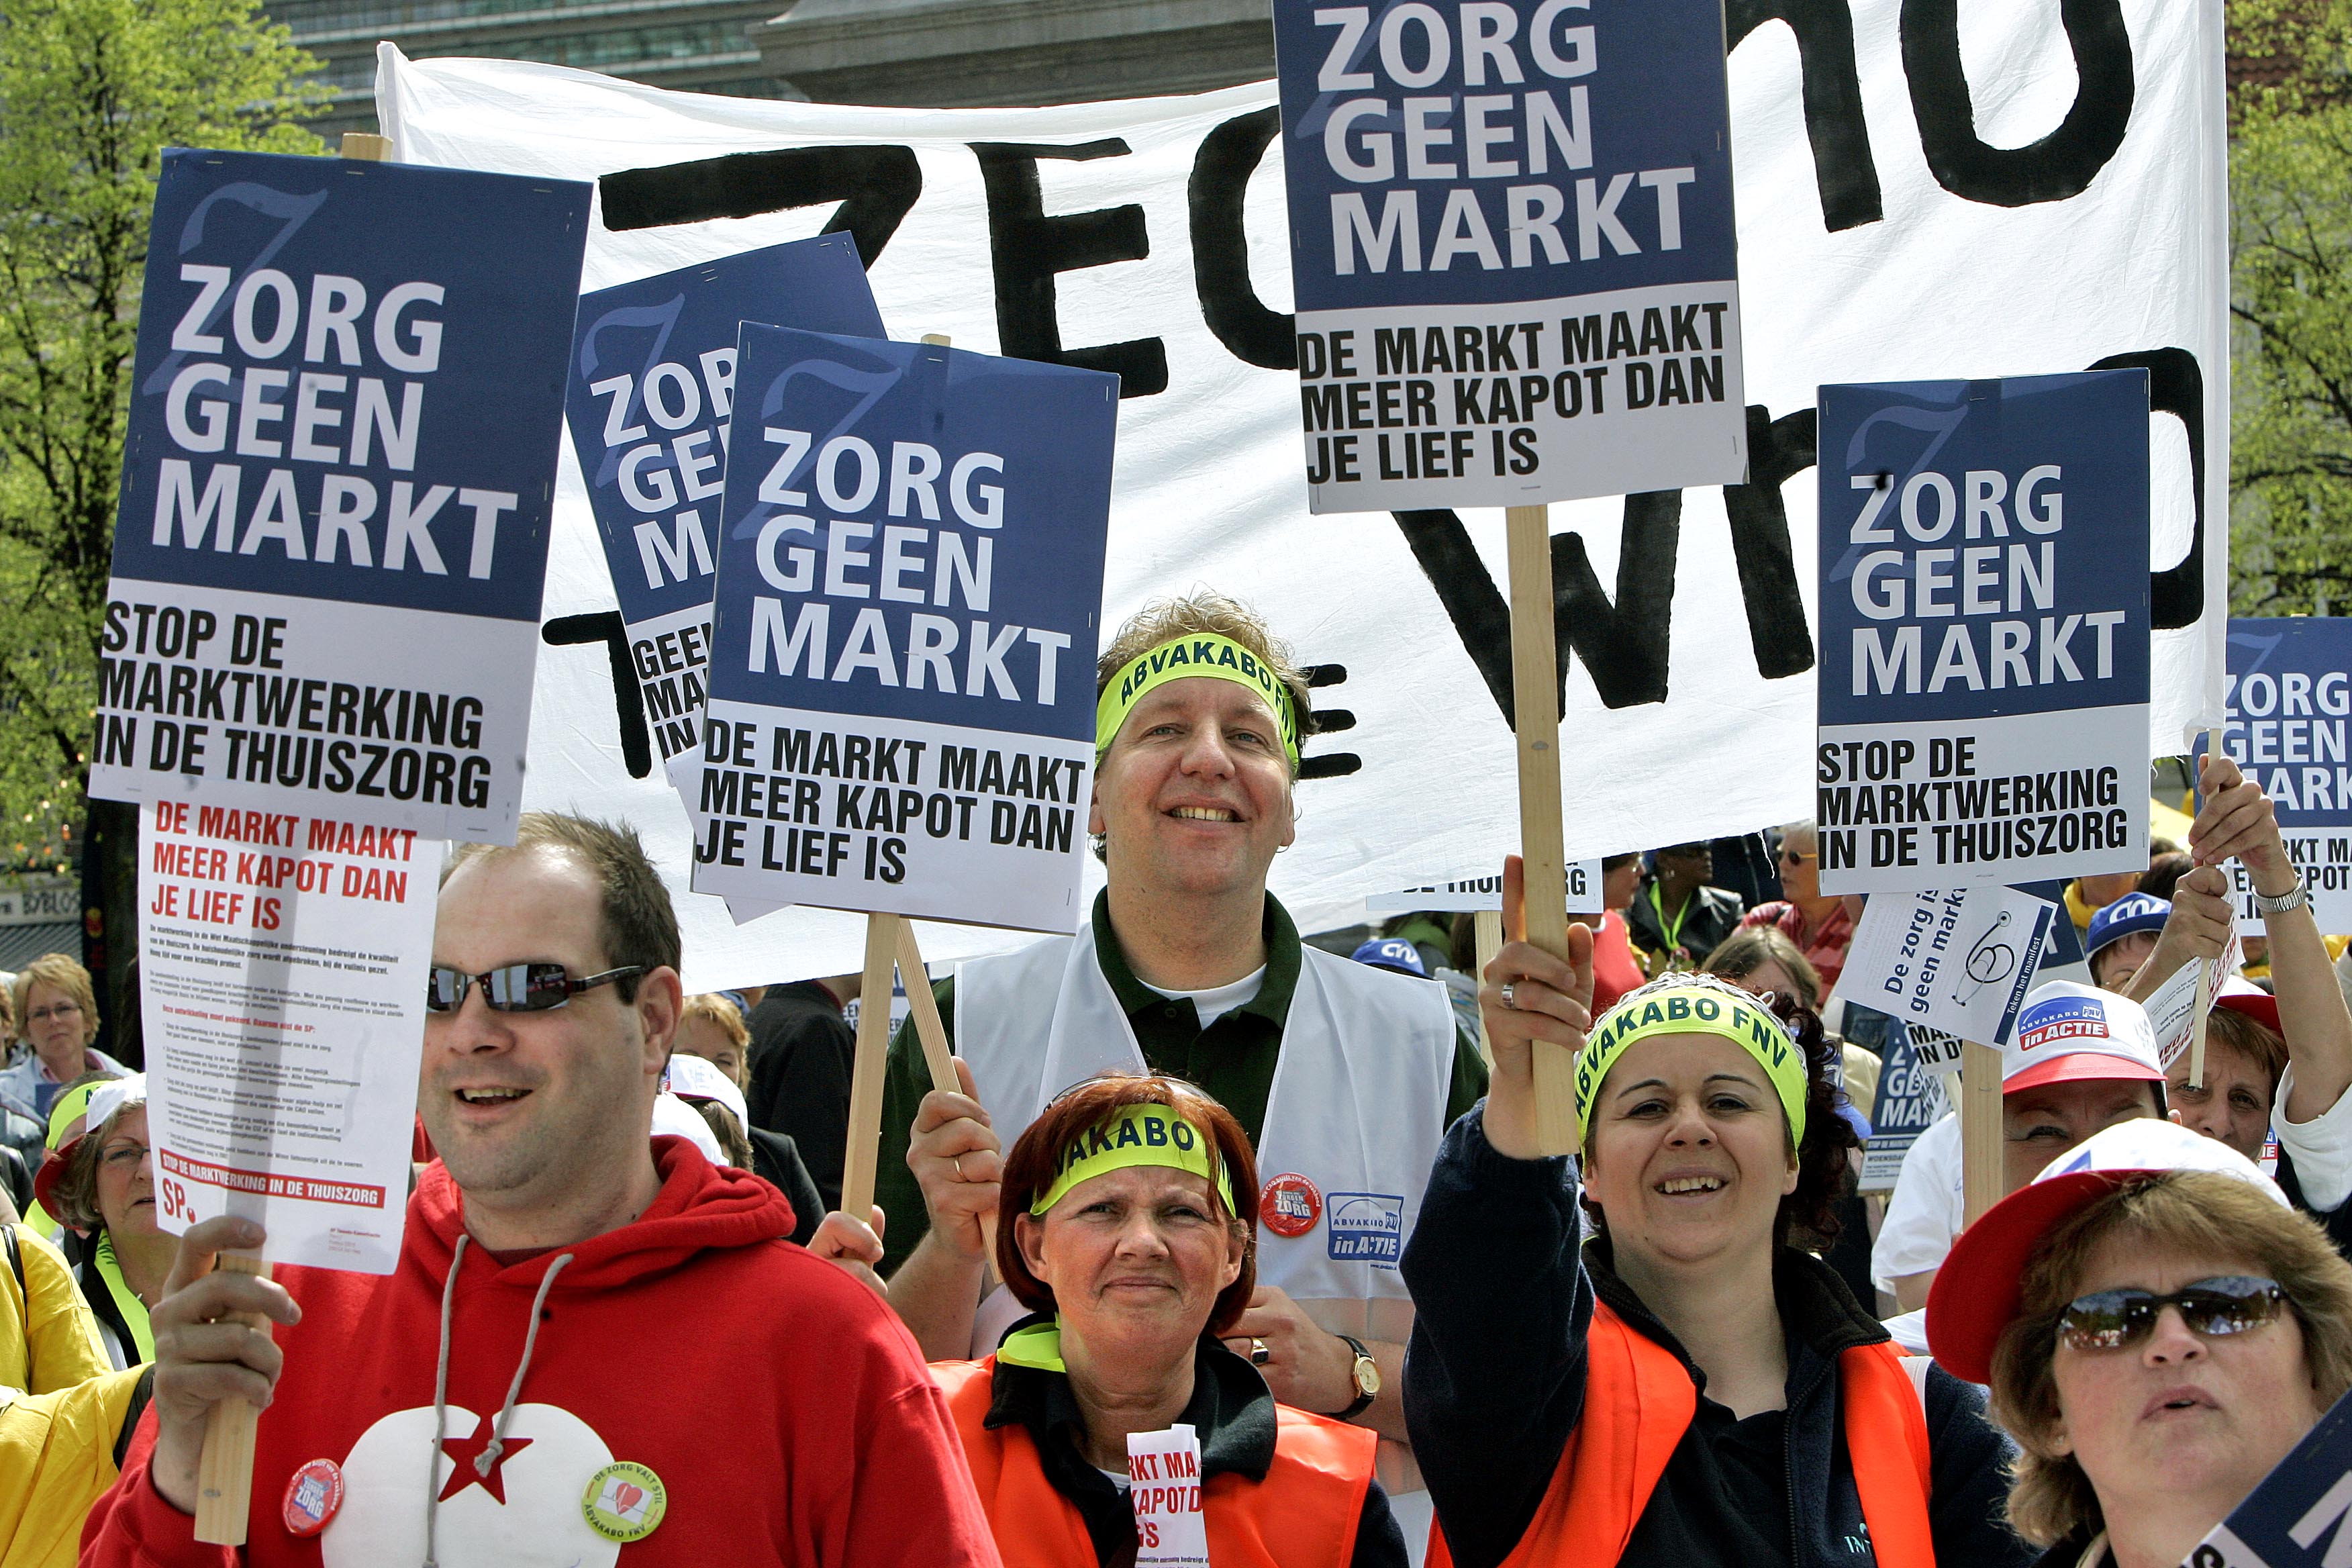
point(488, 1459)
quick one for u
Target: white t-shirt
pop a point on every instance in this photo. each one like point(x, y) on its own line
point(2321, 1148)
point(1218, 1000)
point(1926, 1209)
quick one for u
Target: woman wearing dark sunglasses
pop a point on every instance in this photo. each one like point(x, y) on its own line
point(2159, 1328)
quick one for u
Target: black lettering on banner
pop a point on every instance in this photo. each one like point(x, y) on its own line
point(628, 704)
point(875, 186)
point(1029, 247)
point(1330, 721)
point(2054, 168)
point(1777, 451)
point(1215, 196)
point(2175, 386)
point(1843, 166)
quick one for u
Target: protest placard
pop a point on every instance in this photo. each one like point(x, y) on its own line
point(1163, 1471)
point(1984, 630)
point(2288, 706)
point(332, 535)
point(652, 383)
point(1482, 893)
point(1959, 960)
point(2296, 1517)
point(902, 702)
point(1511, 245)
point(1910, 1101)
point(2178, 1006)
point(281, 974)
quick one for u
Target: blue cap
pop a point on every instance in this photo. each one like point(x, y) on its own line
point(1392, 952)
point(2133, 912)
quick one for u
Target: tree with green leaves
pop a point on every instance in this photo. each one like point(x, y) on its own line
point(92, 92)
point(2290, 409)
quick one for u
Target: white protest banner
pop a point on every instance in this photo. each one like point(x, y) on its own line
point(281, 971)
point(1475, 893)
point(1911, 1099)
point(1902, 225)
point(652, 383)
point(2301, 1514)
point(1958, 961)
point(1163, 1470)
point(901, 715)
point(1984, 624)
point(336, 484)
point(2289, 705)
point(1490, 311)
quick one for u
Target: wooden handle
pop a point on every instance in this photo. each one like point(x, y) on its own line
point(1487, 927)
point(1981, 1158)
point(933, 1033)
point(367, 147)
point(1535, 700)
point(2206, 974)
point(866, 1073)
point(225, 1472)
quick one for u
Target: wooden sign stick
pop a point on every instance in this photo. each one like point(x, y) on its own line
point(1979, 1106)
point(2206, 974)
point(224, 1469)
point(933, 1033)
point(866, 1072)
point(1487, 927)
point(1534, 701)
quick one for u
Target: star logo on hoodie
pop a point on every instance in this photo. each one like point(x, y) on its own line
point(463, 1452)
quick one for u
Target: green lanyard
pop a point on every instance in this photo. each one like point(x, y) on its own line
point(1673, 933)
point(126, 1301)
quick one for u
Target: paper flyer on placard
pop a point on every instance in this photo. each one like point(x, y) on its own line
point(337, 485)
point(2172, 1006)
point(1910, 1101)
point(1164, 1485)
point(282, 973)
point(1984, 619)
point(1477, 893)
point(1512, 248)
point(1959, 960)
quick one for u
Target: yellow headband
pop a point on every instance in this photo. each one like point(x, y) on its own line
point(1200, 654)
point(1692, 1010)
point(67, 1106)
point(1137, 1135)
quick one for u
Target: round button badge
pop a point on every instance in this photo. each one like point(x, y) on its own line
point(313, 1493)
point(623, 1501)
point(1290, 1205)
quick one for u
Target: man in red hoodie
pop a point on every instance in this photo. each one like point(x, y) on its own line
point(594, 1342)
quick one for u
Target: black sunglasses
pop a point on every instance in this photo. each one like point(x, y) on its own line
point(2116, 1320)
point(515, 987)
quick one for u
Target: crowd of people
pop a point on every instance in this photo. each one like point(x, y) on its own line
point(1202, 1176)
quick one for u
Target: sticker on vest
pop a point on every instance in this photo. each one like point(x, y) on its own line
point(1367, 1227)
point(1290, 1205)
point(623, 1501)
point(313, 1493)
point(1163, 1471)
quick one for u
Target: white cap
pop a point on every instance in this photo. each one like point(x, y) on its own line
point(113, 1095)
point(2067, 1032)
point(697, 1077)
point(2145, 1143)
point(675, 1118)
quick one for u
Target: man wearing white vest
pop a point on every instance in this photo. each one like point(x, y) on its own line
point(1345, 1076)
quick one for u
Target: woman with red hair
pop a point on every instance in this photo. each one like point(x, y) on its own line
point(1126, 1241)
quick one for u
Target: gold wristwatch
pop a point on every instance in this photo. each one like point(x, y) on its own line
point(1366, 1374)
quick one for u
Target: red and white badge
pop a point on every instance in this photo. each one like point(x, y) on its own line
point(313, 1493)
point(1290, 1205)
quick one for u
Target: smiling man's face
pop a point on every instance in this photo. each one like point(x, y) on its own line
point(1193, 796)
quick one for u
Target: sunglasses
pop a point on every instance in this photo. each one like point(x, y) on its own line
point(1794, 857)
point(2117, 1319)
point(515, 987)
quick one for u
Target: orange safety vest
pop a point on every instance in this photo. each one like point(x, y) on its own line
point(1303, 1515)
point(1638, 1402)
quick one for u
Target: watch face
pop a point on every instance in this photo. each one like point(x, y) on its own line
point(1367, 1377)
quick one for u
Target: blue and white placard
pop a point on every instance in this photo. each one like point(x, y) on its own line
point(902, 681)
point(1984, 631)
point(2289, 707)
point(1511, 246)
point(653, 379)
point(1959, 960)
point(345, 415)
point(2301, 1514)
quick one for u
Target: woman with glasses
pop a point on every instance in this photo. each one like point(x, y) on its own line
point(2159, 1328)
point(101, 1183)
point(1823, 928)
point(57, 1019)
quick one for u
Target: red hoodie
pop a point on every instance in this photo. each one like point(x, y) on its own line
point(788, 1415)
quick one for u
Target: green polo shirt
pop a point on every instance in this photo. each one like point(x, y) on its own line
point(1233, 1060)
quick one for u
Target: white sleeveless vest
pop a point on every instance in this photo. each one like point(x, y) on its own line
point(1357, 1107)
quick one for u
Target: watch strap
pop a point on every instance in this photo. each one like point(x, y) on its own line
point(1362, 1401)
point(2294, 898)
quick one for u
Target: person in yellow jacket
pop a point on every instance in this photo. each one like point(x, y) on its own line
point(58, 1453)
point(1127, 1240)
